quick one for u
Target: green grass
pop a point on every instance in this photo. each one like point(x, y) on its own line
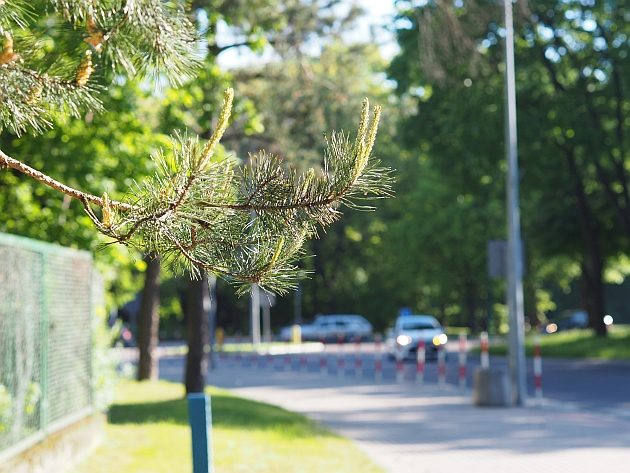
point(579, 344)
point(148, 432)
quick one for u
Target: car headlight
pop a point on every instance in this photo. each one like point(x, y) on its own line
point(403, 340)
point(440, 339)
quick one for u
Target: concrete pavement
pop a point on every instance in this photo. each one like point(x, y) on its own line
point(409, 428)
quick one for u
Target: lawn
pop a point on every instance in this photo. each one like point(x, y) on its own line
point(579, 344)
point(148, 432)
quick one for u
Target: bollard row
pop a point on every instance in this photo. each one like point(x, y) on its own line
point(349, 360)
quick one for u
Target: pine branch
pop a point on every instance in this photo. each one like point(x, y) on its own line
point(137, 37)
point(247, 224)
point(8, 161)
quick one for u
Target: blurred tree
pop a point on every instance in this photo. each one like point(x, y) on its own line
point(570, 62)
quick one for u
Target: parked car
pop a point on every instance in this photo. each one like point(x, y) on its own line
point(332, 328)
point(567, 320)
point(409, 330)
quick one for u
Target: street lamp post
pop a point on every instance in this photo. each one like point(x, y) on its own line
point(515, 253)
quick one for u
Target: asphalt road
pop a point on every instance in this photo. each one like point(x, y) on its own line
point(586, 384)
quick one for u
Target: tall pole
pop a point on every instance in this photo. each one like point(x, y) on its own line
point(515, 253)
point(255, 314)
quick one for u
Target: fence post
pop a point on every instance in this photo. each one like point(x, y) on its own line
point(200, 418)
point(45, 345)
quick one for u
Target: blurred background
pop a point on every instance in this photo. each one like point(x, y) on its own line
point(301, 68)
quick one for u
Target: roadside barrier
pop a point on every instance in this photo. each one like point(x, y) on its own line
point(378, 360)
point(323, 360)
point(358, 361)
point(441, 360)
point(400, 367)
point(463, 349)
point(421, 357)
point(485, 350)
point(341, 362)
point(538, 371)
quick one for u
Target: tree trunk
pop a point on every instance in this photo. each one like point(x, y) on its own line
point(531, 303)
point(197, 306)
point(149, 320)
point(593, 292)
point(593, 261)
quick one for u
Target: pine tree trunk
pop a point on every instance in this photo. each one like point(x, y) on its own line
point(149, 320)
point(197, 306)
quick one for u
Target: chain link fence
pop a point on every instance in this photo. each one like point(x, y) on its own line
point(47, 297)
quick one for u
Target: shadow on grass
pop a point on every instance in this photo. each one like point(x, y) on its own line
point(227, 412)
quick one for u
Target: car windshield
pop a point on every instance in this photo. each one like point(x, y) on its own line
point(418, 326)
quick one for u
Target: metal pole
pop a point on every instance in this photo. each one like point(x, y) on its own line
point(255, 315)
point(515, 254)
point(267, 323)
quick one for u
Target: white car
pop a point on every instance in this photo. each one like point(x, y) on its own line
point(409, 330)
point(333, 328)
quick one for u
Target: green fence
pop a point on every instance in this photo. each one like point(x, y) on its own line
point(46, 372)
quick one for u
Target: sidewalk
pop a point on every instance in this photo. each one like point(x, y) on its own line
point(423, 429)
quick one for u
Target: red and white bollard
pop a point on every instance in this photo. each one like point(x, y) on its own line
point(358, 361)
point(400, 367)
point(341, 361)
point(485, 350)
point(538, 372)
point(441, 360)
point(378, 360)
point(421, 357)
point(463, 350)
point(323, 360)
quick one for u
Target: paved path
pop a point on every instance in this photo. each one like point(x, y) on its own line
point(425, 429)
